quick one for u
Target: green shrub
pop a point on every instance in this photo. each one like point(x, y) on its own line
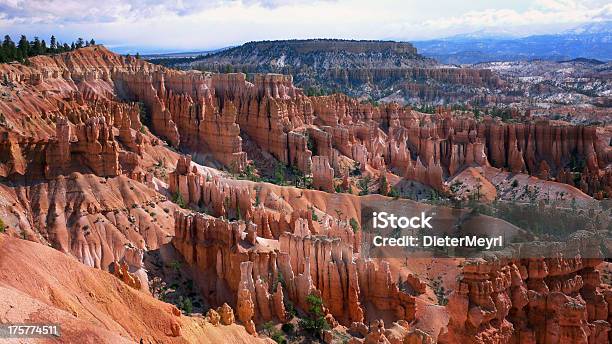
point(363, 185)
point(356, 170)
point(290, 308)
point(313, 214)
point(257, 195)
point(2, 226)
point(185, 304)
point(179, 200)
point(278, 337)
point(268, 328)
point(315, 323)
point(145, 117)
point(394, 193)
point(176, 265)
point(354, 225)
point(440, 292)
point(279, 174)
point(338, 188)
point(249, 173)
point(383, 185)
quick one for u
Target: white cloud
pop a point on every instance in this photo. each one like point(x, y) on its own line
point(148, 25)
point(539, 17)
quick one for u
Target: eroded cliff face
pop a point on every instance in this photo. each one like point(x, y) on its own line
point(273, 252)
point(89, 143)
point(552, 299)
point(264, 274)
point(96, 220)
point(78, 120)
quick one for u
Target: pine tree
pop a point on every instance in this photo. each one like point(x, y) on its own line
point(23, 48)
point(7, 42)
point(92, 42)
point(53, 44)
point(10, 50)
point(36, 48)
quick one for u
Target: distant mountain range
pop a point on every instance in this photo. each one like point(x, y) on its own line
point(592, 41)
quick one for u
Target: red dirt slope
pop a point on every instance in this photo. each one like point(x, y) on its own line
point(40, 284)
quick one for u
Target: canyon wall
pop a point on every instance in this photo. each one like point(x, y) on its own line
point(552, 295)
point(252, 273)
point(208, 115)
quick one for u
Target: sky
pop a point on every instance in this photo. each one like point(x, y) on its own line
point(194, 25)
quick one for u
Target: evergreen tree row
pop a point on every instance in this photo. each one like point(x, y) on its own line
point(9, 51)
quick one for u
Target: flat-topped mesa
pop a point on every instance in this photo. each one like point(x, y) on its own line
point(363, 69)
point(516, 299)
point(355, 47)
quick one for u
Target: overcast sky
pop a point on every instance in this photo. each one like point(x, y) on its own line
point(190, 25)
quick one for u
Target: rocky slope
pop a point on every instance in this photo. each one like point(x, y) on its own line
point(40, 284)
point(156, 175)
